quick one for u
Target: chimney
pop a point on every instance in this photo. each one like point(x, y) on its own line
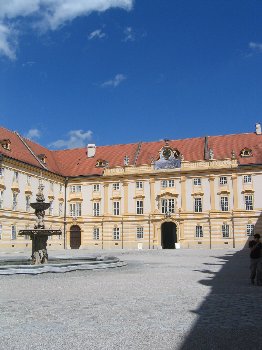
point(258, 128)
point(91, 150)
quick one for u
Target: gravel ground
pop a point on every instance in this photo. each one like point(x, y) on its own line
point(162, 299)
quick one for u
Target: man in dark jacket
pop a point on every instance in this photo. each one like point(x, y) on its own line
point(256, 259)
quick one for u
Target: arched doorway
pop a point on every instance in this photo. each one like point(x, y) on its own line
point(75, 237)
point(168, 235)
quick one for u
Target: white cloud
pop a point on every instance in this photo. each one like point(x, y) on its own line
point(255, 46)
point(33, 134)
point(115, 81)
point(47, 14)
point(96, 34)
point(8, 37)
point(129, 34)
point(76, 138)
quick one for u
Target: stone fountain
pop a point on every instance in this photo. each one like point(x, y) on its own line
point(39, 235)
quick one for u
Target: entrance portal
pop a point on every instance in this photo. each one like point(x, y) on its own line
point(75, 237)
point(168, 235)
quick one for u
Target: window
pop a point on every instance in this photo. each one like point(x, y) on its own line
point(51, 208)
point(246, 152)
point(168, 206)
point(198, 205)
point(199, 231)
point(1, 231)
point(249, 202)
point(116, 233)
point(60, 188)
point(116, 208)
point(27, 203)
point(1, 172)
point(14, 204)
point(139, 207)
point(60, 208)
point(139, 185)
point(28, 180)
point(1, 199)
point(197, 181)
point(75, 209)
point(140, 232)
point(167, 183)
point(225, 231)
point(13, 232)
point(96, 233)
point(96, 208)
point(75, 188)
point(247, 179)
point(15, 177)
point(116, 186)
point(250, 229)
point(96, 188)
point(224, 203)
point(223, 180)
point(51, 186)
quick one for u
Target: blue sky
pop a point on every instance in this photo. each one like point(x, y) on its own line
point(121, 71)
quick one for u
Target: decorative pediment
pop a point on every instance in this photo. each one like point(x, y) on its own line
point(169, 158)
point(246, 152)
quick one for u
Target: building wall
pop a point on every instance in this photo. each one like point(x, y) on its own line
point(184, 192)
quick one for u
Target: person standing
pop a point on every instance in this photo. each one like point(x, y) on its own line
point(256, 260)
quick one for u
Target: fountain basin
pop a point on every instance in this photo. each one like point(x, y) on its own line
point(40, 205)
point(59, 265)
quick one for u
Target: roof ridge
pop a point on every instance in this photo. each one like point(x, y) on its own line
point(30, 150)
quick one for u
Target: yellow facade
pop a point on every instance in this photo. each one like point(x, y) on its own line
point(119, 226)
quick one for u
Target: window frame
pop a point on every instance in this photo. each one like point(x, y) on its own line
point(224, 206)
point(140, 232)
point(225, 231)
point(116, 208)
point(96, 187)
point(245, 177)
point(249, 204)
point(199, 232)
point(197, 181)
point(198, 208)
point(250, 230)
point(96, 208)
point(223, 180)
point(116, 233)
point(139, 185)
point(139, 207)
point(96, 233)
point(116, 186)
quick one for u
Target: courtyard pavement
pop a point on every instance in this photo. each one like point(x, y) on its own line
point(162, 300)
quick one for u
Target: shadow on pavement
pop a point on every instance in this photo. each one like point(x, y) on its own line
point(231, 315)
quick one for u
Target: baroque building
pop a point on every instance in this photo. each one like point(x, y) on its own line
point(189, 193)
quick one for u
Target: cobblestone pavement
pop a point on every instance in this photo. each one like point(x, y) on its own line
point(162, 299)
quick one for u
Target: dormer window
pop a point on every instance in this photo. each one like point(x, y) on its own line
point(6, 144)
point(42, 157)
point(246, 152)
point(100, 163)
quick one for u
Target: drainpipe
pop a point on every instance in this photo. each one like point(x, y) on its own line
point(102, 234)
point(233, 231)
point(122, 233)
point(210, 244)
point(149, 232)
point(66, 182)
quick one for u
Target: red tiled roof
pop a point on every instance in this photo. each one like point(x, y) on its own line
point(18, 149)
point(74, 162)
